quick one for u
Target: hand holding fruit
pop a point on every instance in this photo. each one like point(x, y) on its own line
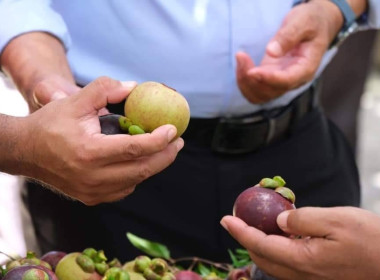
point(260, 205)
point(149, 106)
point(65, 149)
point(336, 243)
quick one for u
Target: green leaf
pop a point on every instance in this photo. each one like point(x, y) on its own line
point(203, 270)
point(240, 258)
point(219, 273)
point(242, 252)
point(233, 258)
point(153, 249)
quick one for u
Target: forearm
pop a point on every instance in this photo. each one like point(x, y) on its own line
point(32, 57)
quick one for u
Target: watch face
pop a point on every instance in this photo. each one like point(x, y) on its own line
point(343, 34)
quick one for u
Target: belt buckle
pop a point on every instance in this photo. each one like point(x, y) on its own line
point(240, 135)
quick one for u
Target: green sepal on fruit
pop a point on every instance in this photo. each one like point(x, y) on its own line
point(116, 273)
point(287, 193)
point(277, 183)
point(35, 274)
point(135, 129)
point(124, 123)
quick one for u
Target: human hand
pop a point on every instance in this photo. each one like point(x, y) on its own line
point(66, 150)
point(337, 243)
point(54, 87)
point(293, 55)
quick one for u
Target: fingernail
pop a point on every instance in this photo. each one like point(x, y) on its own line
point(223, 223)
point(129, 84)
point(274, 48)
point(39, 104)
point(180, 144)
point(282, 220)
point(58, 95)
point(171, 133)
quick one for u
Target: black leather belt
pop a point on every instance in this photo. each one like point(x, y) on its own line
point(244, 134)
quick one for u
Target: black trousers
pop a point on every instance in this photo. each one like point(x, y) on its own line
point(181, 207)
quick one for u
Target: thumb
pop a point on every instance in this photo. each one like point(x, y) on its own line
point(97, 94)
point(307, 221)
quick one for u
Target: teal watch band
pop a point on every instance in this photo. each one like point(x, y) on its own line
point(347, 12)
point(349, 26)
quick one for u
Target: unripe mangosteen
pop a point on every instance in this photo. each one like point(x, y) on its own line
point(152, 104)
point(260, 205)
point(69, 269)
point(52, 258)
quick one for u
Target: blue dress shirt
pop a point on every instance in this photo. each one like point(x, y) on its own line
point(189, 45)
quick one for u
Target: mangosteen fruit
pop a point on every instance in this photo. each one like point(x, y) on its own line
point(87, 265)
point(187, 275)
point(30, 272)
point(241, 273)
point(260, 205)
point(29, 259)
point(53, 257)
point(152, 104)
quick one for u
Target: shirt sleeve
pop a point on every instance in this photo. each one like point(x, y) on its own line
point(22, 16)
point(374, 14)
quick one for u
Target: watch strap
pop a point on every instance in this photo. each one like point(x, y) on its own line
point(348, 14)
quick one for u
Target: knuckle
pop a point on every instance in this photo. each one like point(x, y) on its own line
point(40, 87)
point(143, 172)
point(172, 155)
point(160, 144)
point(286, 35)
point(89, 196)
point(85, 155)
point(106, 83)
point(132, 150)
point(128, 190)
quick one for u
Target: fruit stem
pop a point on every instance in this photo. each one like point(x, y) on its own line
point(8, 256)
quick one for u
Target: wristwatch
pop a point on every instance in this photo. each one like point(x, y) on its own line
point(350, 24)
